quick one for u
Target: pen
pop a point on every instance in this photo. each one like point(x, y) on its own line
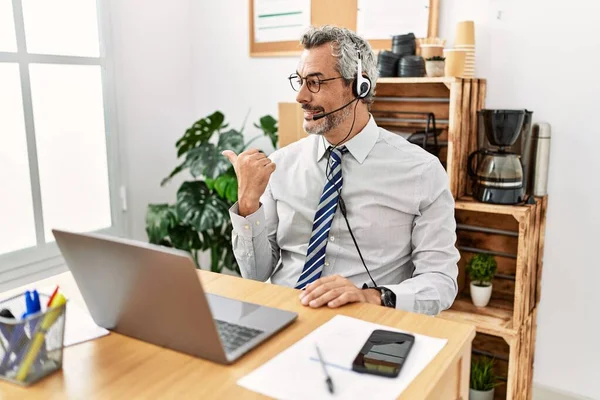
point(328, 380)
point(52, 296)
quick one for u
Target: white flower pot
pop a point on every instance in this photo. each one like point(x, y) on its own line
point(478, 395)
point(480, 295)
point(434, 68)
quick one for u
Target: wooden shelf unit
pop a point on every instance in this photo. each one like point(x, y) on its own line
point(453, 101)
point(514, 356)
point(512, 235)
point(506, 327)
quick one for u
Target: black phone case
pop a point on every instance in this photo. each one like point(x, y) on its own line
point(380, 335)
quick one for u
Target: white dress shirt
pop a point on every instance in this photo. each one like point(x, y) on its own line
point(399, 207)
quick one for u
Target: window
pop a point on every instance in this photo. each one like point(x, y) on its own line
point(58, 151)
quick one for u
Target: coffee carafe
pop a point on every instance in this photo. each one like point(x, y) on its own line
point(498, 174)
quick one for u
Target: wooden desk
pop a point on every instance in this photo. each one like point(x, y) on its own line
point(117, 366)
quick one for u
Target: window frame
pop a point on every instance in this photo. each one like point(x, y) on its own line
point(44, 259)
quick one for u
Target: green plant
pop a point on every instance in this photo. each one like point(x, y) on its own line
point(436, 58)
point(199, 220)
point(482, 374)
point(482, 269)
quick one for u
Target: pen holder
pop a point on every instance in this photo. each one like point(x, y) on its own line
point(32, 347)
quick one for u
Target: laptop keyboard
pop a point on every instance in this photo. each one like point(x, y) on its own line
point(233, 336)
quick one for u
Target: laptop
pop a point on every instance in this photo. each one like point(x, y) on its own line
point(154, 294)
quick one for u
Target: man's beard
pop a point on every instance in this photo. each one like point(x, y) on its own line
point(329, 122)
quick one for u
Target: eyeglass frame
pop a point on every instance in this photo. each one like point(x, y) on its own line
point(296, 75)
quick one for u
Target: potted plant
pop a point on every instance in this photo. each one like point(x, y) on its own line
point(483, 380)
point(435, 66)
point(481, 269)
point(199, 220)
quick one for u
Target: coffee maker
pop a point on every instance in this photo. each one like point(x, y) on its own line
point(499, 175)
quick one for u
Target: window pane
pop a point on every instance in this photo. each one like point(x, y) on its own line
point(69, 123)
point(17, 226)
point(8, 40)
point(61, 27)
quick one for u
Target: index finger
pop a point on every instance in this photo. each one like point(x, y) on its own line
point(312, 286)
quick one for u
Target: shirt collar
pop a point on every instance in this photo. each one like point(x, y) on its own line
point(359, 146)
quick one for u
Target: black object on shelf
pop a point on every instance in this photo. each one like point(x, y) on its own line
point(387, 63)
point(404, 45)
point(421, 138)
point(411, 66)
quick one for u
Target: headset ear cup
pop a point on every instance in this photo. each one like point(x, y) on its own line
point(361, 87)
point(365, 87)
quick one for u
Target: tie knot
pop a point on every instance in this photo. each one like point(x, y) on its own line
point(338, 151)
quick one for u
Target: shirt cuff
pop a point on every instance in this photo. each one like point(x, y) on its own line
point(405, 296)
point(250, 226)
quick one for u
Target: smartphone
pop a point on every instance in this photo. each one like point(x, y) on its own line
point(384, 353)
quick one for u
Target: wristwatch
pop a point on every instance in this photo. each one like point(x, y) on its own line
point(388, 298)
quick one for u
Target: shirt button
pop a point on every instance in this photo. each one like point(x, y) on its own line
point(257, 222)
point(327, 263)
point(246, 226)
point(332, 238)
point(249, 254)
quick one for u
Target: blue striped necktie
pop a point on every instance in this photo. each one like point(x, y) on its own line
point(315, 255)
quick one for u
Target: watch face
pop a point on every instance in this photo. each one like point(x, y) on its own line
point(386, 298)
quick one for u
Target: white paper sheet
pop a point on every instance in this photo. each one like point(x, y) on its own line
point(79, 325)
point(296, 373)
point(280, 20)
point(382, 19)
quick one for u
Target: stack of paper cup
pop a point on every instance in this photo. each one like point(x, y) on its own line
point(465, 40)
point(455, 62)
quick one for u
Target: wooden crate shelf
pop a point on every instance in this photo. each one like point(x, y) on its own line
point(453, 101)
point(514, 359)
point(506, 327)
point(512, 235)
point(495, 319)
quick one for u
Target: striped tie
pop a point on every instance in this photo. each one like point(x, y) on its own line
point(315, 255)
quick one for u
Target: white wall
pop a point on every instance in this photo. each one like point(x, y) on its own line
point(151, 46)
point(226, 78)
point(181, 60)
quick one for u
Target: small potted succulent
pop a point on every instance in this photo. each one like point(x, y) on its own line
point(483, 380)
point(481, 269)
point(435, 66)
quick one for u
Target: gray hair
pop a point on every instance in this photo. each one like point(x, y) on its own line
point(343, 45)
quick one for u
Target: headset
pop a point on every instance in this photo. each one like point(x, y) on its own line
point(360, 88)
point(362, 84)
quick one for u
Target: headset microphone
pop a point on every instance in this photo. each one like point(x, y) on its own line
point(323, 115)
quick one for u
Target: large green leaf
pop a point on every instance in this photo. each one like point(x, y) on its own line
point(231, 140)
point(199, 207)
point(160, 218)
point(185, 237)
point(200, 132)
point(226, 187)
point(268, 125)
point(207, 160)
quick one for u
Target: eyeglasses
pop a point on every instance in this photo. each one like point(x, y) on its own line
point(312, 82)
